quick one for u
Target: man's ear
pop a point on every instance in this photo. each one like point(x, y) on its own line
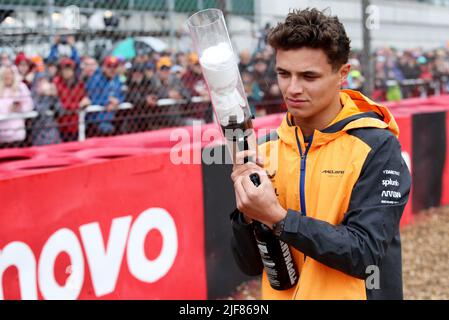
point(343, 72)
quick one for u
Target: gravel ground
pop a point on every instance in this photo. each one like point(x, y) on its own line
point(425, 256)
point(425, 259)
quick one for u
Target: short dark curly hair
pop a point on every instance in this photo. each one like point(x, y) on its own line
point(312, 28)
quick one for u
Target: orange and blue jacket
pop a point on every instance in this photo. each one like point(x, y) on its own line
point(344, 188)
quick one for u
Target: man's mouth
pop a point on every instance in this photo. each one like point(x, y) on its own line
point(296, 102)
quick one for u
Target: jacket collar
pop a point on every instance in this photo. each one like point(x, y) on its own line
point(358, 112)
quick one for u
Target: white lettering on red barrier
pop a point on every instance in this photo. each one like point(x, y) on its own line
point(63, 240)
point(21, 256)
point(103, 261)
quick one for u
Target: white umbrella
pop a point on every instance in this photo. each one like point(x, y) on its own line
point(156, 44)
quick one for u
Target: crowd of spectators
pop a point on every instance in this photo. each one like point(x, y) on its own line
point(61, 84)
point(401, 74)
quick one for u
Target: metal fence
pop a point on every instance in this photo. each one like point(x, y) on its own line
point(87, 68)
point(70, 70)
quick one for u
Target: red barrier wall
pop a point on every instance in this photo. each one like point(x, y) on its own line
point(131, 221)
point(404, 122)
point(43, 214)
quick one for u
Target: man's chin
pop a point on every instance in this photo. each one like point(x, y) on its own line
point(298, 113)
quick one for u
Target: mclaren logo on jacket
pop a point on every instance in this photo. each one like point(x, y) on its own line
point(333, 172)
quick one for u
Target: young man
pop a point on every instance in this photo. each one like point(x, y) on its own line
point(334, 183)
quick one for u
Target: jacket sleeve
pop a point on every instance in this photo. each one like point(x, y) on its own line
point(53, 55)
point(75, 57)
point(376, 205)
point(244, 246)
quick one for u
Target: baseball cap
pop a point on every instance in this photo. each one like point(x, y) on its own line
point(193, 58)
point(67, 62)
point(20, 58)
point(111, 61)
point(164, 62)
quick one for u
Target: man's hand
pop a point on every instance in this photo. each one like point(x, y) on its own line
point(16, 106)
point(258, 203)
point(151, 100)
point(71, 40)
point(113, 104)
point(174, 94)
point(85, 102)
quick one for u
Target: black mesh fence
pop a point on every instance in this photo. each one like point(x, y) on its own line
point(70, 70)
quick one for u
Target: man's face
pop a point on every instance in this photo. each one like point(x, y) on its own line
point(164, 72)
point(137, 76)
point(67, 73)
point(260, 67)
point(307, 81)
point(23, 67)
point(52, 70)
point(196, 68)
point(8, 77)
point(149, 73)
point(109, 70)
point(89, 66)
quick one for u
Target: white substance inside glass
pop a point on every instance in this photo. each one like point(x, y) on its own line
point(221, 73)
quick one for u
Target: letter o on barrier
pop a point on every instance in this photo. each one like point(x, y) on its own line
point(139, 265)
point(63, 240)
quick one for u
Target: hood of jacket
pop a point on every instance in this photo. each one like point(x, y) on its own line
point(358, 111)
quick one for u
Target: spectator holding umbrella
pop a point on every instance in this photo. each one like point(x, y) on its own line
point(14, 97)
point(104, 88)
point(72, 96)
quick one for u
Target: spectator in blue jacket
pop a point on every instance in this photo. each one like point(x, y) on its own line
point(104, 88)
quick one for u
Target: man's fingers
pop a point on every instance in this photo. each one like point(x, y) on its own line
point(238, 187)
point(263, 177)
point(244, 169)
point(237, 199)
point(249, 186)
point(242, 155)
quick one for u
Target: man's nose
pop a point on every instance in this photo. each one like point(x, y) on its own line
point(295, 87)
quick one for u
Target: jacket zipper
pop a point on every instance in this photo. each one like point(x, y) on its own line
point(302, 179)
point(302, 176)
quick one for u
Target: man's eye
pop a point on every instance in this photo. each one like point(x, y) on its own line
point(310, 78)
